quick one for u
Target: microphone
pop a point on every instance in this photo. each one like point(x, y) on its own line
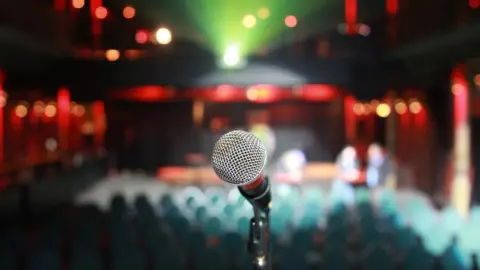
point(239, 158)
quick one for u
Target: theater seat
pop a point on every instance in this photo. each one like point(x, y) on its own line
point(169, 259)
point(453, 259)
point(86, 260)
point(378, 259)
point(44, 259)
point(233, 243)
point(8, 261)
point(129, 259)
point(293, 259)
point(210, 259)
point(417, 258)
point(335, 258)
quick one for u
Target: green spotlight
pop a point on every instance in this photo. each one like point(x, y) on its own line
point(231, 58)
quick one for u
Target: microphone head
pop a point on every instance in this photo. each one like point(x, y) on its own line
point(239, 157)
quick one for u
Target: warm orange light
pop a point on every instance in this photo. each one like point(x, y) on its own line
point(101, 13)
point(476, 80)
point(263, 13)
point(78, 110)
point(39, 107)
point(358, 109)
point(458, 88)
point(112, 55)
point(50, 110)
point(368, 108)
point(78, 3)
point(260, 94)
point(21, 111)
point(401, 107)
point(3, 98)
point(291, 21)
point(415, 107)
point(383, 110)
point(128, 12)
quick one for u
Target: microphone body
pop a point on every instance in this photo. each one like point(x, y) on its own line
point(258, 193)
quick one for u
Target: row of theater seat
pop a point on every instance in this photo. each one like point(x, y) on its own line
point(194, 229)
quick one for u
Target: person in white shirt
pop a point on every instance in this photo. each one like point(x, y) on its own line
point(348, 172)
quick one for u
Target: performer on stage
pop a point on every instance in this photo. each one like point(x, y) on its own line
point(378, 166)
point(291, 165)
point(348, 171)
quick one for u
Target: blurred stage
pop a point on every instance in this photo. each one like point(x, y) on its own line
point(314, 172)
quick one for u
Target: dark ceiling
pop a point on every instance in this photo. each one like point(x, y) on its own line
point(38, 46)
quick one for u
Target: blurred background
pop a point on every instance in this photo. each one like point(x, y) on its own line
point(109, 110)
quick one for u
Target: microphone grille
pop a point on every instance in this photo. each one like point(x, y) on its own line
point(239, 157)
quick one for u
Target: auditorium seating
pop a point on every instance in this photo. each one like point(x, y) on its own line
point(190, 228)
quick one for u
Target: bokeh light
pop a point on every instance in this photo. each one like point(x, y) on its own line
point(78, 110)
point(383, 110)
point(358, 108)
point(141, 36)
point(232, 56)
point(78, 4)
point(112, 55)
point(415, 107)
point(101, 13)
point(458, 88)
point(263, 13)
point(291, 21)
point(3, 99)
point(401, 107)
point(50, 110)
point(249, 21)
point(163, 36)
point(476, 80)
point(128, 12)
point(21, 111)
point(39, 107)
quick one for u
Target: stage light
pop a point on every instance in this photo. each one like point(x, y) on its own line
point(78, 4)
point(363, 29)
point(291, 21)
point(457, 89)
point(249, 21)
point(128, 12)
point(39, 107)
point(476, 80)
point(383, 110)
point(415, 107)
point(3, 98)
point(163, 36)
point(50, 110)
point(78, 110)
point(401, 107)
point(358, 109)
point(263, 13)
point(101, 13)
point(112, 55)
point(141, 37)
point(232, 56)
point(21, 111)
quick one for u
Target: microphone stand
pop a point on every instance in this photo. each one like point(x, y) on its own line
point(259, 239)
point(259, 234)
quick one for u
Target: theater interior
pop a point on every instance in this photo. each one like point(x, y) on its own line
point(369, 112)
